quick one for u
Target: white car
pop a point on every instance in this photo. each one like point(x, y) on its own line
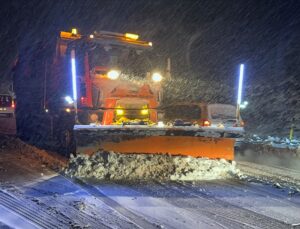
point(224, 116)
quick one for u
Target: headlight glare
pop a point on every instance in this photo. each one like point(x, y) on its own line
point(156, 77)
point(113, 74)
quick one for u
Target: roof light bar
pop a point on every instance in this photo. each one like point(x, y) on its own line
point(74, 31)
point(132, 36)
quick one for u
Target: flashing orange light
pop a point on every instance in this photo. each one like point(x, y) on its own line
point(68, 35)
point(132, 36)
point(74, 31)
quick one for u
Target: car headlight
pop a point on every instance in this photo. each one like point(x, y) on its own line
point(113, 74)
point(156, 77)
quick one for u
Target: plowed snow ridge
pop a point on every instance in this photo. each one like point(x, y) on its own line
point(115, 166)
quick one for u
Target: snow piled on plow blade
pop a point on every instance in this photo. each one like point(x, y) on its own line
point(117, 166)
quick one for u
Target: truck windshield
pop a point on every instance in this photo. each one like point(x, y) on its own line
point(129, 61)
point(5, 101)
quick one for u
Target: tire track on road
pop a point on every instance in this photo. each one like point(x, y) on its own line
point(200, 203)
point(34, 215)
point(253, 218)
point(139, 221)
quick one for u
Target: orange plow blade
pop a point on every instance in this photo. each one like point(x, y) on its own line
point(176, 145)
point(174, 141)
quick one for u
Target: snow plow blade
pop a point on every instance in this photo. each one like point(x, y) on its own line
point(195, 142)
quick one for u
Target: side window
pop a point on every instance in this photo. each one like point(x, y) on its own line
point(184, 112)
point(5, 101)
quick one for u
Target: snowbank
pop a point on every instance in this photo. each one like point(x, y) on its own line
point(51, 159)
point(271, 151)
point(274, 141)
point(115, 166)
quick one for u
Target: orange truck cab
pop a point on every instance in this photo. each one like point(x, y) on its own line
point(113, 78)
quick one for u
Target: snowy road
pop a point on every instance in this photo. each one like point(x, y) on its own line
point(32, 196)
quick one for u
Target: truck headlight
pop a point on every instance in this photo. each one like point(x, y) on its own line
point(113, 74)
point(144, 111)
point(156, 77)
point(119, 112)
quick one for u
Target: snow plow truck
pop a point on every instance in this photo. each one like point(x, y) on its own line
point(101, 91)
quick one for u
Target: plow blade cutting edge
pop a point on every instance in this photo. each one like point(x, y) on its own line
point(195, 142)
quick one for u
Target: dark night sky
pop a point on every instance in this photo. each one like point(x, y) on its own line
point(205, 39)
